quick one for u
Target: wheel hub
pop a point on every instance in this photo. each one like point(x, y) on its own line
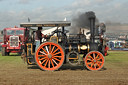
point(94, 61)
point(49, 55)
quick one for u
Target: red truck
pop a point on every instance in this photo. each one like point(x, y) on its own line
point(13, 40)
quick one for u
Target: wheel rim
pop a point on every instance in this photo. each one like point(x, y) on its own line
point(94, 60)
point(49, 56)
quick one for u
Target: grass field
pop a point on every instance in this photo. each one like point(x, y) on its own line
point(13, 71)
point(117, 58)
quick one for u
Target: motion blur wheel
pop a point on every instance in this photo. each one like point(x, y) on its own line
point(94, 60)
point(49, 56)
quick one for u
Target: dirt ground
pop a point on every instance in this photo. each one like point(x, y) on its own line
point(21, 74)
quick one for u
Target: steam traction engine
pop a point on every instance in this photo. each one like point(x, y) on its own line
point(60, 48)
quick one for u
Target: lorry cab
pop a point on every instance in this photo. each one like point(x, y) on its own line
point(13, 39)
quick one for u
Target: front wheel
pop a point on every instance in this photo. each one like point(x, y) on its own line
point(49, 56)
point(94, 60)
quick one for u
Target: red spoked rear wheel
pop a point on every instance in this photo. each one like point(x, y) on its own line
point(49, 56)
point(94, 60)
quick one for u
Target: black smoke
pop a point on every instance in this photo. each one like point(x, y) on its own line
point(80, 21)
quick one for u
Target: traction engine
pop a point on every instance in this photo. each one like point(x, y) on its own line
point(60, 48)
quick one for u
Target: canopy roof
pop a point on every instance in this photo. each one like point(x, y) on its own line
point(46, 24)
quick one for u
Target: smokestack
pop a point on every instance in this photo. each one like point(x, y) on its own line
point(91, 17)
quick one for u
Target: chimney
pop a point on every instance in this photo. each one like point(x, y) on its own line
point(92, 17)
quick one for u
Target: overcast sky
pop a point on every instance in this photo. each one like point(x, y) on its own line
point(13, 12)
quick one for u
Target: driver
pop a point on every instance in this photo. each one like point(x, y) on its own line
point(38, 37)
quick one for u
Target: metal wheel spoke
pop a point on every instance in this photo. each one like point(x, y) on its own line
point(57, 56)
point(43, 61)
point(99, 59)
point(89, 63)
point(92, 65)
point(57, 59)
point(49, 64)
point(97, 56)
point(54, 61)
point(95, 66)
point(42, 58)
point(42, 52)
point(53, 48)
point(94, 55)
point(50, 48)
point(47, 49)
point(46, 63)
point(89, 59)
point(99, 62)
point(57, 53)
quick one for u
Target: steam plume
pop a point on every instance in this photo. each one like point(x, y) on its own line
point(80, 21)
